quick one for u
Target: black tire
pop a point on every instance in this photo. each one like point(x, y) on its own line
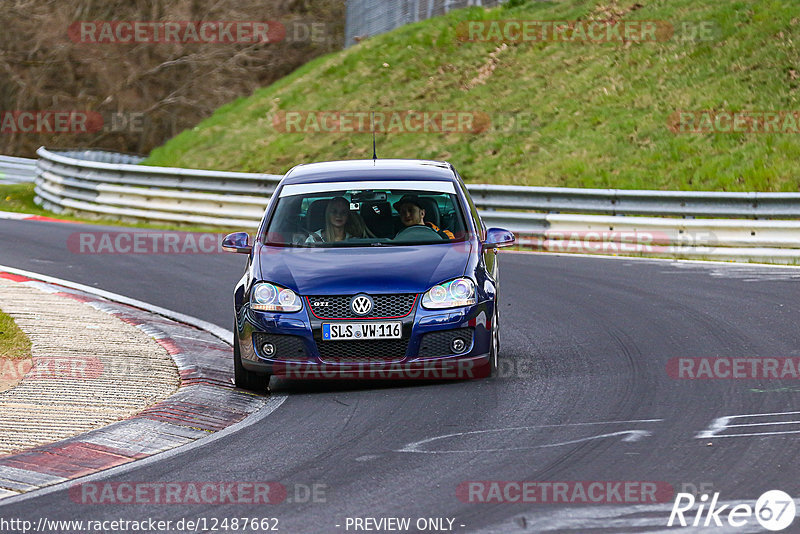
point(494, 350)
point(489, 369)
point(243, 378)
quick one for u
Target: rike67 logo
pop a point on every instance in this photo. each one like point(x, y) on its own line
point(774, 510)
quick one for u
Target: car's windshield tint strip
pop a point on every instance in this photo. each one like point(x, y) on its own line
point(429, 186)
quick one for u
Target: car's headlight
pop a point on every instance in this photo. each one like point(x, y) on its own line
point(269, 297)
point(452, 294)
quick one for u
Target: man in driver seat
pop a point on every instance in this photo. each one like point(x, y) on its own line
point(412, 213)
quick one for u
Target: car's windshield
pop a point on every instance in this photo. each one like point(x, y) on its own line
point(356, 214)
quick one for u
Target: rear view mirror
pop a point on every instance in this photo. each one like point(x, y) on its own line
point(368, 196)
point(237, 242)
point(498, 237)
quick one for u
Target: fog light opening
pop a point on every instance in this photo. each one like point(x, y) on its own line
point(268, 349)
point(458, 345)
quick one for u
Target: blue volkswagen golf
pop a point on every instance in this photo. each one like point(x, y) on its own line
point(368, 269)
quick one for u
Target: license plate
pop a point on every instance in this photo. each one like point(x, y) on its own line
point(343, 331)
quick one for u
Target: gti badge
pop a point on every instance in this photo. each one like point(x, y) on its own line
point(361, 304)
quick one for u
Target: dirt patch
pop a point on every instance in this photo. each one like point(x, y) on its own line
point(614, 11)
point(486, 70)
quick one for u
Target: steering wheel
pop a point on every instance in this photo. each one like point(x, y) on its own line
point(417, 233)
point(300, 236)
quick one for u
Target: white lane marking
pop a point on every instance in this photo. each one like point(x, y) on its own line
point(764, 414)
point(41, 286)
point(272, 404)
point(630, 436)
point(717, 425)
point(720, 424)
point(219, 332)
point(749, 435)
point(745, 273)
point(193, 338)
point(14, 215)
point(772, 423)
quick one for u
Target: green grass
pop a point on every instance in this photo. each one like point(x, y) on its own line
point(14, 344)
point(600, 111)
point(18, 198)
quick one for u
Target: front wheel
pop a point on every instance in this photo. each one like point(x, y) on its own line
point(489, 369)
point(243, 378)
point(494, 351)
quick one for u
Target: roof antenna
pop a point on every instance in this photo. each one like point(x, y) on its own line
point(374, 147)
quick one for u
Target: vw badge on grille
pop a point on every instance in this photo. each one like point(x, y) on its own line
point(361, 304)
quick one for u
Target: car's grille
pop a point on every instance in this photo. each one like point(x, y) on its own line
point(366, 351)
point(438, 343)
point(287, 348)
point(385, 306)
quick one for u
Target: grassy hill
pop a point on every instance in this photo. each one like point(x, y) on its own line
point(597, 114)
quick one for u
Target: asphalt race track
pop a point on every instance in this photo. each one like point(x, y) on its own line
point(584, 396)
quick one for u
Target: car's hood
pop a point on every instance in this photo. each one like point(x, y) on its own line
point(338, 271)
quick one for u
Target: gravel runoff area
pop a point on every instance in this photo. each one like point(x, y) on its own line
point(88, 369)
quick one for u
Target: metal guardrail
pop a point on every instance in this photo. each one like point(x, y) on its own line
point(365, 18)
point(661, 223)
point(127, 190)
point(638, 202)
point(16, 170)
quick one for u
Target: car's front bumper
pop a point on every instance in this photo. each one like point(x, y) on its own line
point(423, 353)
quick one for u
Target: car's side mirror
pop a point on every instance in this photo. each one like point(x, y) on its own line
point(237, 242)
point(497, 238)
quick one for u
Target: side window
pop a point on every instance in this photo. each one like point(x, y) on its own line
point(451, 215)
point(473, 210)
